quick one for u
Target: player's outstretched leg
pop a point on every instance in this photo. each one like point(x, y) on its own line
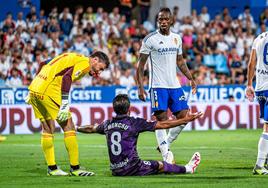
point(174, 132)
point(259, 168)
point(71, 145)
point(193, 163)
point(189, 168)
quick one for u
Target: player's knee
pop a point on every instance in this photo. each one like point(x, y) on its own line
point(265, 127)
point(181, 114)
point(47, 129)
point(161, 115)
point(68, 125)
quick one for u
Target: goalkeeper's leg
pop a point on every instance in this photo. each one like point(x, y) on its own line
point(71, 145)
point(47, 143)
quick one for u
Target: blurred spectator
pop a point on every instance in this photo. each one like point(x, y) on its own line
point(216, 49)
point(127, 79)
point(144, 9)
point(246, 17)
point(20, 21)
point(205, 17)
point(125, 7)
point(14, 80)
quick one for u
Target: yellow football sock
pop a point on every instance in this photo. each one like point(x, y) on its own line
point(48, 148)
point(71, 146)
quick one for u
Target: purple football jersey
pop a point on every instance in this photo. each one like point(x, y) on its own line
point(122, 134)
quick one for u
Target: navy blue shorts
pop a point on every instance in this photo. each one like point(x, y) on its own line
point(262, 97)
point(162, 99)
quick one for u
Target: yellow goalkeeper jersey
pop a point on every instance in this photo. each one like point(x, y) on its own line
point(48, 80)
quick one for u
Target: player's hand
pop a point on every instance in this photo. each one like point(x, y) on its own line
point(142, 94)
point(193, 85)
point(64, 112)
point(192, 116)
point(27, 99)
point(250, 93)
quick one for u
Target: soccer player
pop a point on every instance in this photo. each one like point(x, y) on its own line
point(49, 97)
point(122, 135)
point(163, 50)
point(259, 60)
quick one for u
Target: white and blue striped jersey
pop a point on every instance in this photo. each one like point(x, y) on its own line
point(260, 44)
point(162, 51)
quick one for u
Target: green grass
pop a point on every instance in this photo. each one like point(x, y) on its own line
point(227, 161)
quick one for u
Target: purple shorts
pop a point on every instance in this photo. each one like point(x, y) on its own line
point(143, 168)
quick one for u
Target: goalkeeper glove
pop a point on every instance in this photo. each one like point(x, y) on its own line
point(64, 111)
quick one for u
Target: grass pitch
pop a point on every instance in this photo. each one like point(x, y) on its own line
point(227, 159)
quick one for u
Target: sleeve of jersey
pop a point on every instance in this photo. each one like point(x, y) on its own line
point(80, 69)
point(179, 45)
point(146, 47)
point(143, 125)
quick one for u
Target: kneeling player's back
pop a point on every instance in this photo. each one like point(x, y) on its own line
point(122, 134)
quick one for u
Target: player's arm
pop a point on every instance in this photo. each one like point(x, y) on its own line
point(184, 69)
point(96, 128)
point(250, 75)
point(177, 122)
point(140, 74)
point(87, 129)
point(65, 88)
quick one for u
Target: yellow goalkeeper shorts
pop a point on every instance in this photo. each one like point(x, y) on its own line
point(45, 108)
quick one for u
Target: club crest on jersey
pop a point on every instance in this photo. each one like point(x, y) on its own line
point(176, 41)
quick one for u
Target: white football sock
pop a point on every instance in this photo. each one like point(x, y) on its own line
point(262, 149)
point(173, 134)
point(161, 137)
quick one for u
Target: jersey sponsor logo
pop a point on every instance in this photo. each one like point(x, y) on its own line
point(161, 42)
point(121, 164)
point(36, 95)
point(167, 50)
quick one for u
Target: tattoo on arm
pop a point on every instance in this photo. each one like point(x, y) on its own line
point(183, 67)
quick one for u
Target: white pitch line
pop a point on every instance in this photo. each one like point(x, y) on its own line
point(140, 147)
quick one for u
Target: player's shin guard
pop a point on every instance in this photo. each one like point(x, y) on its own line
point(72, 147)
point(48, 148)
point(173, 168)
point(262, 150)
point(173, 134)
point(161, 137)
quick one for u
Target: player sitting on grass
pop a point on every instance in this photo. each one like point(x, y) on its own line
point(122, 133)
point(49, 93)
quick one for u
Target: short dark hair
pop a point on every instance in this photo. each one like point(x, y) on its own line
point(103, 57)
point(121, 104)
point(165, 9)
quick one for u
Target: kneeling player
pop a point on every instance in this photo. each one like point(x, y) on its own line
point(122, 133)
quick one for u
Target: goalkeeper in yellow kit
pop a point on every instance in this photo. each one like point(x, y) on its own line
point(48, 95)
